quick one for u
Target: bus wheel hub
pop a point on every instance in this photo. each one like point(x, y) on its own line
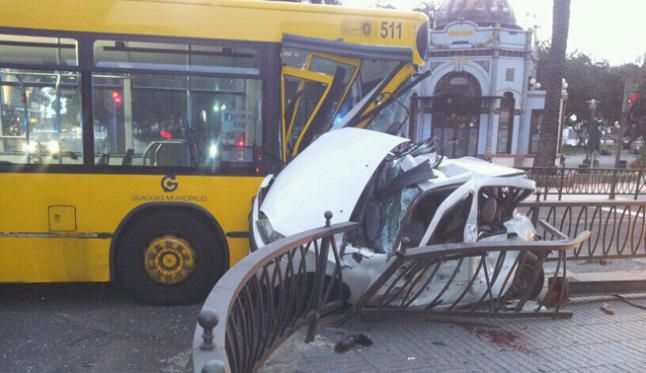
point(169, 259)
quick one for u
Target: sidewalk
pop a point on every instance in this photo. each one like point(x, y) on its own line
point(592, 341)
point(605, 161)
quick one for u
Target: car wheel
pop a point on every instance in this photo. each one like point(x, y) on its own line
point(170, 257)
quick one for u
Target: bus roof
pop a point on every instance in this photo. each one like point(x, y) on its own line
point(249, 20)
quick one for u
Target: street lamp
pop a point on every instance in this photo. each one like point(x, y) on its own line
point(619, 143)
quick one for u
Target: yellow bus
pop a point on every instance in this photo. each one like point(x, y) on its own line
point(134, 133)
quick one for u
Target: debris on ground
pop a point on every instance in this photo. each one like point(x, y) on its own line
point(607, 309)
point(351, 341)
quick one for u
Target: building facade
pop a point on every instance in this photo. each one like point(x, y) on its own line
point(482, 98)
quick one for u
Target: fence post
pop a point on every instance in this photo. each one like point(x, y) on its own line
point(561, 181)
point(639, 179)
point(613, 184)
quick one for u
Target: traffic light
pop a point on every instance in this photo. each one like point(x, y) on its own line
point(636, 109)
point(118, 100)
point(241, 143)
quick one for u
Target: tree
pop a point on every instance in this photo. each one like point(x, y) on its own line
point(384, 4)
point(553, 80)
point(428, 7)
point(589, 78)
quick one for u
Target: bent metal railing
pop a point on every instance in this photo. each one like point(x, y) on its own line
point(618, 228)
point(486, 278)
point(293, 282)
point(590, 181)
point(266, 297)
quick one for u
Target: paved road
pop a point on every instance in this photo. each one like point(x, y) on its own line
point(90, 328)
point(592, 341)
point(605, 161)
point(96, 328)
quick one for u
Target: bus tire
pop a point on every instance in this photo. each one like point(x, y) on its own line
point(170, 257)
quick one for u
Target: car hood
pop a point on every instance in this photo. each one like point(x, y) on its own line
point(329, 175)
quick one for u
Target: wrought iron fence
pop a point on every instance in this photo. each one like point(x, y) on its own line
point(611, 182)
point(618, 229)
point(294, 281)
point(266, 297)
point(486, 278)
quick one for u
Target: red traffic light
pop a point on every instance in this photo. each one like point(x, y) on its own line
point(116, 96)
point(633, 98)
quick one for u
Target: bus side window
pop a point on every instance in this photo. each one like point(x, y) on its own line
point(161, 118)
point(40, 122)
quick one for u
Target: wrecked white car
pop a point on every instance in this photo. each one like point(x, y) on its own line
point(403, 196)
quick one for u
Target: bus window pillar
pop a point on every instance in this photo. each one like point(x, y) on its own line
point(127, 114)
point(189, 105)
point(2, 101)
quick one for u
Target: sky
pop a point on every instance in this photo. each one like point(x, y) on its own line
point(608, 30)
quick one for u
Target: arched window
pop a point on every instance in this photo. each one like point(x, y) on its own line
point(506, 123)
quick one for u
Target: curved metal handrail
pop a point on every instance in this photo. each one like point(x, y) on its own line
point(485, 287)
point(266, 297)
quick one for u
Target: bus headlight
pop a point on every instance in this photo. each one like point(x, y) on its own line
point(53, 147)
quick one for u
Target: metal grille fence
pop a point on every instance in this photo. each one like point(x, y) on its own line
point(618, 229)
point(567, 181)
point(266, 297)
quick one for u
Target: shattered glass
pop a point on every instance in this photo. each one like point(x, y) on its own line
point(394, 209)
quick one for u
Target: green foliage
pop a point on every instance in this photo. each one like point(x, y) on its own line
point(428, 7)
point(590, 78)
point(384, 4)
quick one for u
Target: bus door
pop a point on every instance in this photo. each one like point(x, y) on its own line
point(312, 97)
point(331, 84)
point(347, 68)
point(303, 94)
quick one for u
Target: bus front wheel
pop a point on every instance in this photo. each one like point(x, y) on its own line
point(170, 257)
